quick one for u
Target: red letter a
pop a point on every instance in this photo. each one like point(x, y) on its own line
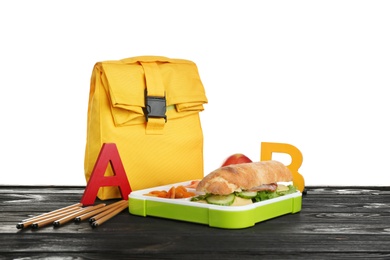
point(108, 153)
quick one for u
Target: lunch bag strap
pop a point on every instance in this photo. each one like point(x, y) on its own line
point(155, 101)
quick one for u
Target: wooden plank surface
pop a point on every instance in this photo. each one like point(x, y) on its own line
point(334, 223)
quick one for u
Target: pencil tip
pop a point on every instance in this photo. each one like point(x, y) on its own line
point(77, 219)
point(19, 226)
point(91, 220)
point(56, 223)
point(34, 225)
point(94, 224)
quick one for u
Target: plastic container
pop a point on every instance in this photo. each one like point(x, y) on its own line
point(228, 217)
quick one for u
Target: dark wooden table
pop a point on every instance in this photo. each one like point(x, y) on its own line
point(334, 223)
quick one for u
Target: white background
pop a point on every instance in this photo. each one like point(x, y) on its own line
point(314, 74)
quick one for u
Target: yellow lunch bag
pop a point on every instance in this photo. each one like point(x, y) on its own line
point(149, 107)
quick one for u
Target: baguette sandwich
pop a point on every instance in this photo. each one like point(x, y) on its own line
point(246, 183)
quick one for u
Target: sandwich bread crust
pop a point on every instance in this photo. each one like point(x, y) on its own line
point(245, 176)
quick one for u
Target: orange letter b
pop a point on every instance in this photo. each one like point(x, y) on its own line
point(296, 159)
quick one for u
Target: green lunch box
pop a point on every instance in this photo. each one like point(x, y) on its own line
point(228, 217)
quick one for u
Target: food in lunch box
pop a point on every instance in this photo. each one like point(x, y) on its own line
point(193, 184)
point(179, 192)
point(242, 184)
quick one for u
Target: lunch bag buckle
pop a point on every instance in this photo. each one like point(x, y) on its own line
point(155, 107)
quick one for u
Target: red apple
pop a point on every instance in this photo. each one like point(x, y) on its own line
point(236, 159)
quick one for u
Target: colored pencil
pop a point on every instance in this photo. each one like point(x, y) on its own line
point(109, 216)
point(50, 219)
point(108, 211)
point(95, 212)
point(72, 216)
point(27, 222)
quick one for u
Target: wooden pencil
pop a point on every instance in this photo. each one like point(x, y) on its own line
point(27, 222)
point(108, 211)
point(79, 205)
point(50, 219)
point(72, 216)
point(95, 212)
point(109, 216)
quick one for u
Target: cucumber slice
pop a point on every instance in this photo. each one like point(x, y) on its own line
point(199, 197)
point(247, 194)
point(222, 200)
